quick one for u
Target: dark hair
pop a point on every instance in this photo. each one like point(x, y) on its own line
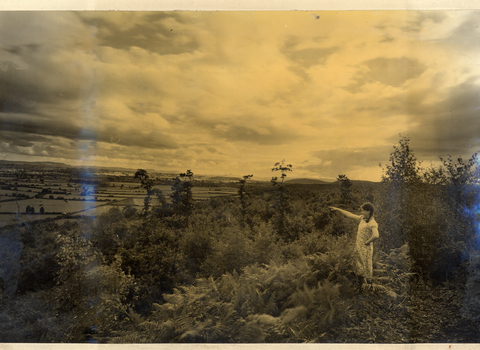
point(368, 207)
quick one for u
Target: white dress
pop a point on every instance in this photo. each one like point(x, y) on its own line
point(364, 253)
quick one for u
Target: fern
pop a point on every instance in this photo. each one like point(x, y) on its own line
point(309, 298)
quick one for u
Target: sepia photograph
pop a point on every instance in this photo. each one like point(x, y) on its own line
point(240, 177)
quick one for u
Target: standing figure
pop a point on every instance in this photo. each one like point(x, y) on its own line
point(367, 233)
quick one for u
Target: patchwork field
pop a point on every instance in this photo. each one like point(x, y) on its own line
point(56, 198)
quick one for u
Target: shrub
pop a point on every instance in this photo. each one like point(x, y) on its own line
point(31, 318)
point(471, 304)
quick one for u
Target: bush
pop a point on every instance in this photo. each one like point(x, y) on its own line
point(304, 300)
point(471, 304)
point(93, 290)
point(425, 217)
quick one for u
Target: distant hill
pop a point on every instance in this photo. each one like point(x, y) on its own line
point(106, 169)
point(224, 178)
point(57, 165)
point(306, 181)
point(34, 164)
point(221, 178)
point(363, 182)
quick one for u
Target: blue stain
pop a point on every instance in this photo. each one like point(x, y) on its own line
point(87, 186)
point(472, 212)
point(474, 215)
point(87, 135)
point(476, 208)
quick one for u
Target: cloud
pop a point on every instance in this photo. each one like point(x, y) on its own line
point(388, 71)
point(352, 157)
point(306, 57)
point(355, 163)
point(419, 20)
point(152, 139)
point(29, 124)
point(238, 90)
point(449, 126)
point(267, 136)
point(159, 32)
point(39, 128)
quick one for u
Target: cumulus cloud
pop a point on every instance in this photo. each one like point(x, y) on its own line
point(333, 162)
point(388, 71)
point(449, 126)
point(238, 91)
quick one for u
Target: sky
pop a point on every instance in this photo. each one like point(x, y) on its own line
point(234, 92)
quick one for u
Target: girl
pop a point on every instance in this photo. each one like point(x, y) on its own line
point(367, 233)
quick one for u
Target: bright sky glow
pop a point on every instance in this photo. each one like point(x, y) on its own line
point(235, 92)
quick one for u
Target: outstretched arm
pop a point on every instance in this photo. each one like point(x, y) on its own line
point(346, 213)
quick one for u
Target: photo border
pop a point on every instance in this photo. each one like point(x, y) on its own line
point(229, 5)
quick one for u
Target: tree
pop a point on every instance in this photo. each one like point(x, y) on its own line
point(346, 188)
point(243, 182)
point(145, 179)
point(182, 196)
point(283, 168)
point(281, 205)
point(241, 192)
point(90, 287)
point(435, 175)
point(403, 166)
point(147, 184)
point(461, 172)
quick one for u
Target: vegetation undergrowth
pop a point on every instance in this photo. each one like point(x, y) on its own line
point(265, 266)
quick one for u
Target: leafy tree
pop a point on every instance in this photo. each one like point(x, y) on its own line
point(148, 184)
point(243, 182)
point(460, 172)
point(435, 175)
point(457, 172)
point(403, 166)
point(182, 196)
